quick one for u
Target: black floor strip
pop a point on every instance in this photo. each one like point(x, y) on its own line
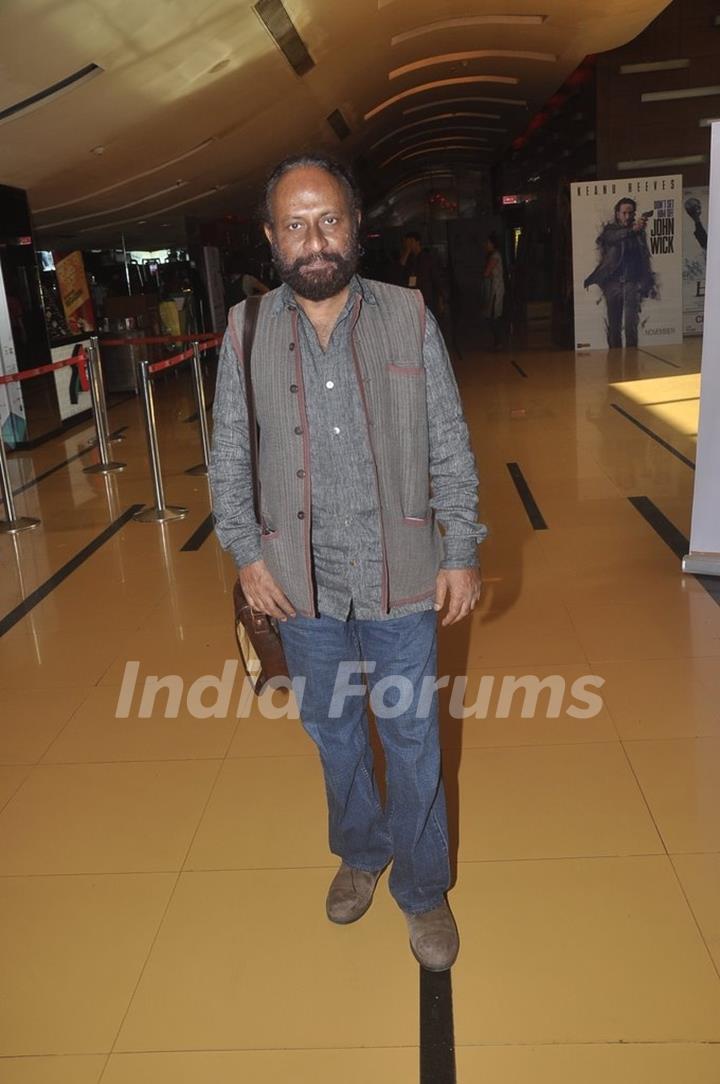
point(197, 538)
point(534, 514)
point(659, 440)
point(658, 358)
point(437, 1032)
point(59, 466)
point(519, 369)
point(674, 538)
point(23, 608)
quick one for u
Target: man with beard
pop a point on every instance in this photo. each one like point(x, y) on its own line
point(362, 446)
point(624, 273)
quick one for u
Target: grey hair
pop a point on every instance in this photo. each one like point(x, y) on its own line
point(342, 173)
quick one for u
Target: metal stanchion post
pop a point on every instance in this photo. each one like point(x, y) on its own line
point(106, 464)
point(202, 468)
point(161, 512)
point(14, 523)
point(95, 347)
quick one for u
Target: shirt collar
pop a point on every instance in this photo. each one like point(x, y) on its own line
point(285, 299)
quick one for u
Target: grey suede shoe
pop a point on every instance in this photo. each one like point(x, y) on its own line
point(434, 938)
point(350, 894)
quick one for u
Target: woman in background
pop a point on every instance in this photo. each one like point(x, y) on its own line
point(494, 287)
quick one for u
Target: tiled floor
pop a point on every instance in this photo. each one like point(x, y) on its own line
point(163, 872)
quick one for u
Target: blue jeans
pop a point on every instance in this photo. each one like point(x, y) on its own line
point(412, 829)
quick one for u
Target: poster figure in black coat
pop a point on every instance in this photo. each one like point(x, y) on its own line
point(624, 272)
point(693, 206)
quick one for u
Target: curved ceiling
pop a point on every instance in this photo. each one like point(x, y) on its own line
point(190, 103)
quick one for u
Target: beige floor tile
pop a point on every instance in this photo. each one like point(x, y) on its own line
point(621, 1063)
point(30, 719)
point(95, 733)
point(519, 634)
point(550, 802)
point(193, 653)
point(72, 951)
point(680, 782)
point(259, 734)
point(104, 818)
point(662, 698)
point(689, 627)
point(38, 657)
point(264, 812)
point(11, 779)
point(55, 1069)
point(231, 970)
point(266, 1067)
point(700, 877)
point(498, 698)
point(580, 951)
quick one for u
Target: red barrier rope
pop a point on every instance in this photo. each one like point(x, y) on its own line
point(12, 378)
point(154, 340)
point(168, 363)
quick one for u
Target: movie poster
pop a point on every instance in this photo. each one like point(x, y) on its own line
point(695, 239)
point(627, 262)
point(71, 382)
point(75, 293)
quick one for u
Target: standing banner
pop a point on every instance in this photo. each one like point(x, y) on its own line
point(695, 239)
point(13, 424)
point(704, 556)
point(215, 288)
point(627, 262)
point(75, 293)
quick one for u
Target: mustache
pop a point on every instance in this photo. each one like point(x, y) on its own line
point(308, 261)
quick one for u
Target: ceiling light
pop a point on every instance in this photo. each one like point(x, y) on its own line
point(113, 210)
point(472, 54)
point(455, 141)
point(443, 150)
point(469, 98)
point(470, 20)
point(650, 163)
point(128, 180)
point(459, 81)
point(153, 214)
point(51, 93)
point(433, 120)
point(654, 66)
point(674, 95)
point(98, 150)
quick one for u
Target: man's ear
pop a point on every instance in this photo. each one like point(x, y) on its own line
point(268, 232)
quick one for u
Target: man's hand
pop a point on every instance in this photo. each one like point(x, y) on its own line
point(262, 593)
point(461, 587)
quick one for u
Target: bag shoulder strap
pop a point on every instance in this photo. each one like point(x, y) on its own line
point(251, 310)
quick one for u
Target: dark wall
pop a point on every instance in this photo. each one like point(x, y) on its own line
point(629, 129)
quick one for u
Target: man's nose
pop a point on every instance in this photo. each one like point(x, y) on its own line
point(315, 239)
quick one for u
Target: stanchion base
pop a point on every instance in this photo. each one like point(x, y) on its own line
point(15, 526)
point(161, 515)
point(200, 469)
point(104, 468)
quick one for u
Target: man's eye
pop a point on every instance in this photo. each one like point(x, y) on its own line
point(294, 226)
point(331, 220)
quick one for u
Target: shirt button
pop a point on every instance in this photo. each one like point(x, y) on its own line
point(301, 473)
point(298, 430)
point(292, 346)
point(336, 429)
point(329, 384)
point(293, 388)
point(301, 515)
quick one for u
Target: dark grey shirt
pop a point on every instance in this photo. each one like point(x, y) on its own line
point(346, 531)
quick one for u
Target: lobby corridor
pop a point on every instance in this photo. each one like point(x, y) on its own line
point(162, 879)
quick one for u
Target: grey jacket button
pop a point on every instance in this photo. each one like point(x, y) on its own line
point(298, 430)
point(301, 515)
point(293, 388)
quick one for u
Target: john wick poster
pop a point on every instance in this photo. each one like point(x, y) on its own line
point(628, 262)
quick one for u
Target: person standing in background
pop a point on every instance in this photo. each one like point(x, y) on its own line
point(494, 288)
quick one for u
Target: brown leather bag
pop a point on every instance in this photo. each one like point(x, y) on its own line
point(257, 633)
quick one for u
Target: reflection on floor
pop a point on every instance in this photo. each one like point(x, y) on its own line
point(162, 878)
